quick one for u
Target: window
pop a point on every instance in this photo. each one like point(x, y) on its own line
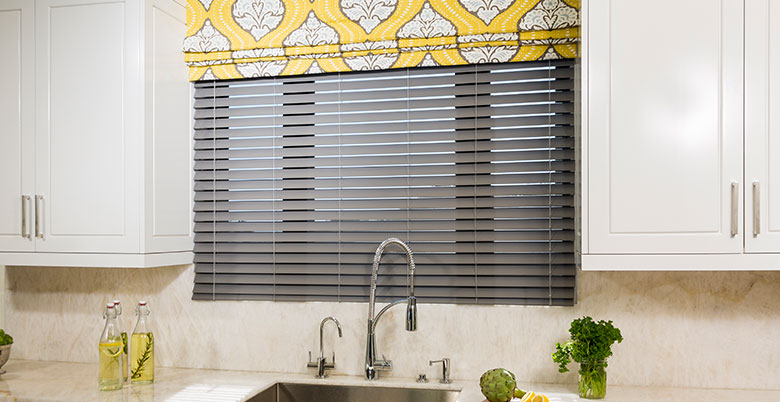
point(299, 179)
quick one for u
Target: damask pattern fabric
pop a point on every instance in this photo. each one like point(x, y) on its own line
point(255, 38)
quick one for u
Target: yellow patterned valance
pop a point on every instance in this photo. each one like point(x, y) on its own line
point(253, 38)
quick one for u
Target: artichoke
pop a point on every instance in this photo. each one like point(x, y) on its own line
point(498, 385)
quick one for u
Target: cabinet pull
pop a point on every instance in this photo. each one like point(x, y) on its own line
point(734, 208)
point(756, 208)
point(25, 227)
point(38, 226)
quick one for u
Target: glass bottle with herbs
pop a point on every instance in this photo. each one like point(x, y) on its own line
point(110, 351)
point(142, 347)
point(123, 333)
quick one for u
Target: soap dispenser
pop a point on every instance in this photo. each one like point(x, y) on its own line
point(110, 350)
point(142, 347)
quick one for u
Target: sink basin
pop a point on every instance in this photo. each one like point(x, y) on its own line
point(288, 392)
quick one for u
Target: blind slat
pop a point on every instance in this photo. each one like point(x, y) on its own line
point(386, 149)
point(348, 215)
point(359, 162)
point(368, 238)
point(209, 108)
point(373, 182)
point(380, 193)
point(379, 113)
point(314, 150)
point(392, 78)
point(360, 139)
point(431, 203)
point(387, 291)
point(485, 83)
point(347, 258)
point(435, 122)
point(556, 270)
point(382, 171)
point(504, 247)
point(400, 281)
point(418, 72)
point(376, 226)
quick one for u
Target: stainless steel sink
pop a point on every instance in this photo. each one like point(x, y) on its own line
point(287, 392)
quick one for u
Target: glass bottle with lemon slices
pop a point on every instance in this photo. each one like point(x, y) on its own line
point(123, 361)
point(110, 349)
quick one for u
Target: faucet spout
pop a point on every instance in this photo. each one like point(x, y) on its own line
point(322, 325)
point(372, 364)
point(375, 270)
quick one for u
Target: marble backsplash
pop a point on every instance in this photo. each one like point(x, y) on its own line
point(685, 329)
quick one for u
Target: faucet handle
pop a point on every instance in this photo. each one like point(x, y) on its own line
point(445, 369)
point(384, 364)
point(311, 363)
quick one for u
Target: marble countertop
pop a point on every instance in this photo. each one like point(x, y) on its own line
point(58, 381)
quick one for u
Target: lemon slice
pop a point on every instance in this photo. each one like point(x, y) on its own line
point(531, 396)
point(111, 349)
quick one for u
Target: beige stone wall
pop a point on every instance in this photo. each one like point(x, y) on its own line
point(694, 329)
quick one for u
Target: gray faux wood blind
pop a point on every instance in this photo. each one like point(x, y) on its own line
point(299, 179)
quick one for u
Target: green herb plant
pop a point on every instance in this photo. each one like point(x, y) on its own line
point(590, 346)
point(5, 339)
point(141, 362)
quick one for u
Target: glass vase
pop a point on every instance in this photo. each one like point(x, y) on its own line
point(593, 379)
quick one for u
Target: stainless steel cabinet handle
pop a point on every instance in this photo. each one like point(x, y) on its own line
point(734, 208)
point(38, 226)
point(25, 229)
point(756, 208)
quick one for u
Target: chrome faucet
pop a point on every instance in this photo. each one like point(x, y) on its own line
point(445, 369)
point(372, 363)
point(322, 362)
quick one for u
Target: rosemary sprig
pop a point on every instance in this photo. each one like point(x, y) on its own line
point(124, 342)
point(141, 362)
point(114, 359)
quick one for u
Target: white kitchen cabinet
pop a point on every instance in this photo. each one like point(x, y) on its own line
point(17, 122)
point(666, 110)
point(110, 171)
point(762, 126)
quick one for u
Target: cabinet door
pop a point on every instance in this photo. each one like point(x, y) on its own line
point(762, 126)
point(84, 170)
point(169, 180)
point(17, 134)
point(664, 131)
